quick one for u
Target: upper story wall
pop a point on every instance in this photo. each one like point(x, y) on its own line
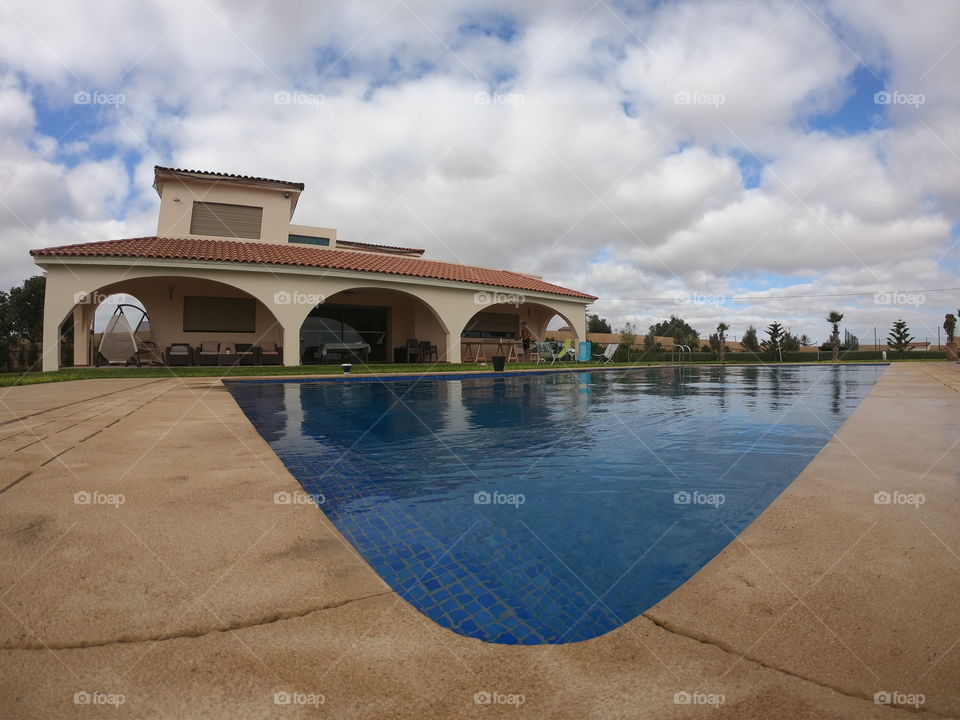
point(177, 198)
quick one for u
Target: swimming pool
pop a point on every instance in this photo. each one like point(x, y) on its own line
point(550, 508)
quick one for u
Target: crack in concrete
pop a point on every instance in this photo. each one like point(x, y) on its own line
point(729, 649)
point(266, 620)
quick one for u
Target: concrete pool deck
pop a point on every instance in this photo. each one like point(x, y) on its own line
point(146, 571)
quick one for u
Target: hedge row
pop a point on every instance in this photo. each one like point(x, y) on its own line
point(770, 357)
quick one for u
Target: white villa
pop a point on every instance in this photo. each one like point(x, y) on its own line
point(229, 274)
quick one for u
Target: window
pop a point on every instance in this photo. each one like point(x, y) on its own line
point(307, 240)
point(219, 314)
point(222, 220)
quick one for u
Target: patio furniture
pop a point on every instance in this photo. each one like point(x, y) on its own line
point(606, 357)
point(227, 355)
point(413, 351)
point(546, 352)
point(427, 351)
point(147, 353)
point(179, 354)
point(566, 352)
point(208, 353)
point(270, 353)
point(246, 354)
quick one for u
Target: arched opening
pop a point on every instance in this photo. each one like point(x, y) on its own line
point(184, 314)
point(498, 329)
point(372, 325)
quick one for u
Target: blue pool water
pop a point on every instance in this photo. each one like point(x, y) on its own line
point(550, 508)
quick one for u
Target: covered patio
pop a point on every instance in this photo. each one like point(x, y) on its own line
point(231, 302)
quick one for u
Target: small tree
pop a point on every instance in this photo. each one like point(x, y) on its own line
point(774, 341)
point(790, 343)
point(900, 337)
point(950, 325)
point(651, 344)
point(722, 340)
point(749, 340)
point(628, 337)
point(805, 340)
point(835, 318)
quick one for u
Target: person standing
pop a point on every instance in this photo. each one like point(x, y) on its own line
point(526, 339)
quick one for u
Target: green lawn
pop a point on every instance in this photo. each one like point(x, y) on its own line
point(32, 378)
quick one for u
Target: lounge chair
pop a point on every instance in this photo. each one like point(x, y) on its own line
point(179, 354)
point(567, 352)
point(606, 357)
point(208, 353)
point(270, 353)
point(546, 352)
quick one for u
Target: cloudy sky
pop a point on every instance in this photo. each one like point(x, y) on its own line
point(721, 160)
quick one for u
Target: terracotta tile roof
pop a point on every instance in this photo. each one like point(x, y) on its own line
point(303, 256)
point(381, 248)
point(226, 176)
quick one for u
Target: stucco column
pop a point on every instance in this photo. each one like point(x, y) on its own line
point(453, 348)
point(81, 334)
point(50, 359)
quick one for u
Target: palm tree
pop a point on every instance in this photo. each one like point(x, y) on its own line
point(722, 339)
point(835, 318)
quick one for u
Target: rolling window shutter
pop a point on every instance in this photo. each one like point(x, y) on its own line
point(222, 220)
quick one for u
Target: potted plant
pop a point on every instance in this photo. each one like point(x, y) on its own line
point(950, 325)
